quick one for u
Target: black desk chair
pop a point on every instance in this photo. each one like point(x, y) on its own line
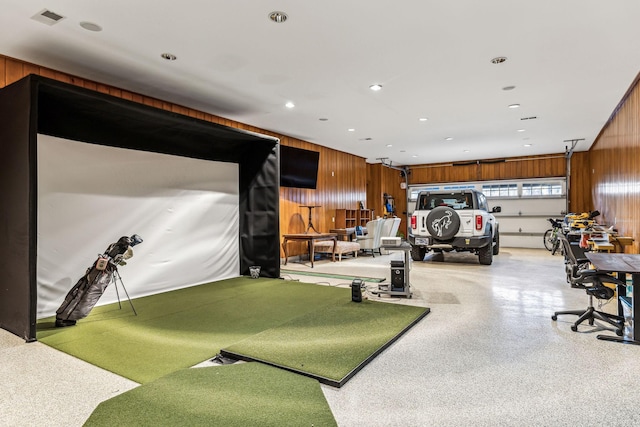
point(593, 282)
point(574, 258)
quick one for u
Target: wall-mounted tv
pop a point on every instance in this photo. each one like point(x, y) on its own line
point(298, 167)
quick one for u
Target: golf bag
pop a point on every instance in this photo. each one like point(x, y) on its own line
point(86, 293)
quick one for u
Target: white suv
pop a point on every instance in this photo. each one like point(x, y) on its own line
point(454, 220)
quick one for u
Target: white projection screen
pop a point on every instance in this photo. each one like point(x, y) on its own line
point(185, 209)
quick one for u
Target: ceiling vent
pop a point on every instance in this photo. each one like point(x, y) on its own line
point(48, 17)
point(529, 118)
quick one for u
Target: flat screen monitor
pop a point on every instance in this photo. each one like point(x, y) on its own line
point(298, 167)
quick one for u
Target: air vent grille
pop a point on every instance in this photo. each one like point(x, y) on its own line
point(529, 118)
point(48, 17)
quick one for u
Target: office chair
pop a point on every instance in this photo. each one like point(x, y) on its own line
point(593, 282)
point(574, 259)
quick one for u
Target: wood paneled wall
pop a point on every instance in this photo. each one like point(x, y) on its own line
point(615, 171)
point(491, 169)
point(580, 183)
point(382, 179)
point(341, 184)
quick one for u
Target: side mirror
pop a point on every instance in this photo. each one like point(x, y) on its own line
point(496, 209)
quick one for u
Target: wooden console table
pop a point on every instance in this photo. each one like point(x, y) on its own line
point(345, 233)
point(310, 238)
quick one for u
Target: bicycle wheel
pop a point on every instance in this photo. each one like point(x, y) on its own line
point(548, 239)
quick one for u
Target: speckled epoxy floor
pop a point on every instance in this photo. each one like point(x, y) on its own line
point(488, 354)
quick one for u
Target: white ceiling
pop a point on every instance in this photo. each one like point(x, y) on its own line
point(571, 61)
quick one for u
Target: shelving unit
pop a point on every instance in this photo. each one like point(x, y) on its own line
point(364, 216)
point(348, 218)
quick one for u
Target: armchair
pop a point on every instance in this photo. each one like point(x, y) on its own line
point(372, 240)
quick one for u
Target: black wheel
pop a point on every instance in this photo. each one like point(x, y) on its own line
point(548, 239)
point(443, 223)
point(554, 317)
point(574, 328)
point(418, 253)
point(485, 255)
point(619, 332)
point(496, 246)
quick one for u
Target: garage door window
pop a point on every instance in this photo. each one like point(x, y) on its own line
point(500, 190)
point(541, 189)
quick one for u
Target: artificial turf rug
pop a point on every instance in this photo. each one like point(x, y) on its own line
point(246, 394)
point(182, 328)
point(330, 344)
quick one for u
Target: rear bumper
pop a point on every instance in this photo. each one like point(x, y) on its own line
point(461, 243)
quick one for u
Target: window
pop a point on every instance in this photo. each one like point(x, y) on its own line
point(500, 190)
point(482, 202)
point(456, 201)
point(541, 189)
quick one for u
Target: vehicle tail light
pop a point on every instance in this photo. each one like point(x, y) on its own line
point(478, 222)
point(414, 222)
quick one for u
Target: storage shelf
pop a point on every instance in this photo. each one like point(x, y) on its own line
point(349, 218)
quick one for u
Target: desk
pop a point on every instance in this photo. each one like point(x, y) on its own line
point(622, 264)
point(310, 238)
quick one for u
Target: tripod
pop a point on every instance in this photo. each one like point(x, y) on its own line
point(116, 276)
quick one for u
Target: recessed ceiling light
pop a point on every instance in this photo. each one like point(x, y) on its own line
point(465, 151)
point(90, 26)
point(289, 104)
point(528, 145)
point(508, 88)
point(351, 130)
point(498, 60)
point(514, 106)
point(389, 145)
point(423, 119)
point(521, 130)
point(278, 17)
point(375, 87)
point(414, 156)
point(448, 138)
point(168, 56)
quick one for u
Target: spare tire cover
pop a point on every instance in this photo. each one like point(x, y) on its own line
point(443, 222)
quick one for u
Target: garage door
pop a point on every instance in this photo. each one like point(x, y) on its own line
point(526, 204)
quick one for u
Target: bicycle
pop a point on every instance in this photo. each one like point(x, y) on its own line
point(551, 240)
